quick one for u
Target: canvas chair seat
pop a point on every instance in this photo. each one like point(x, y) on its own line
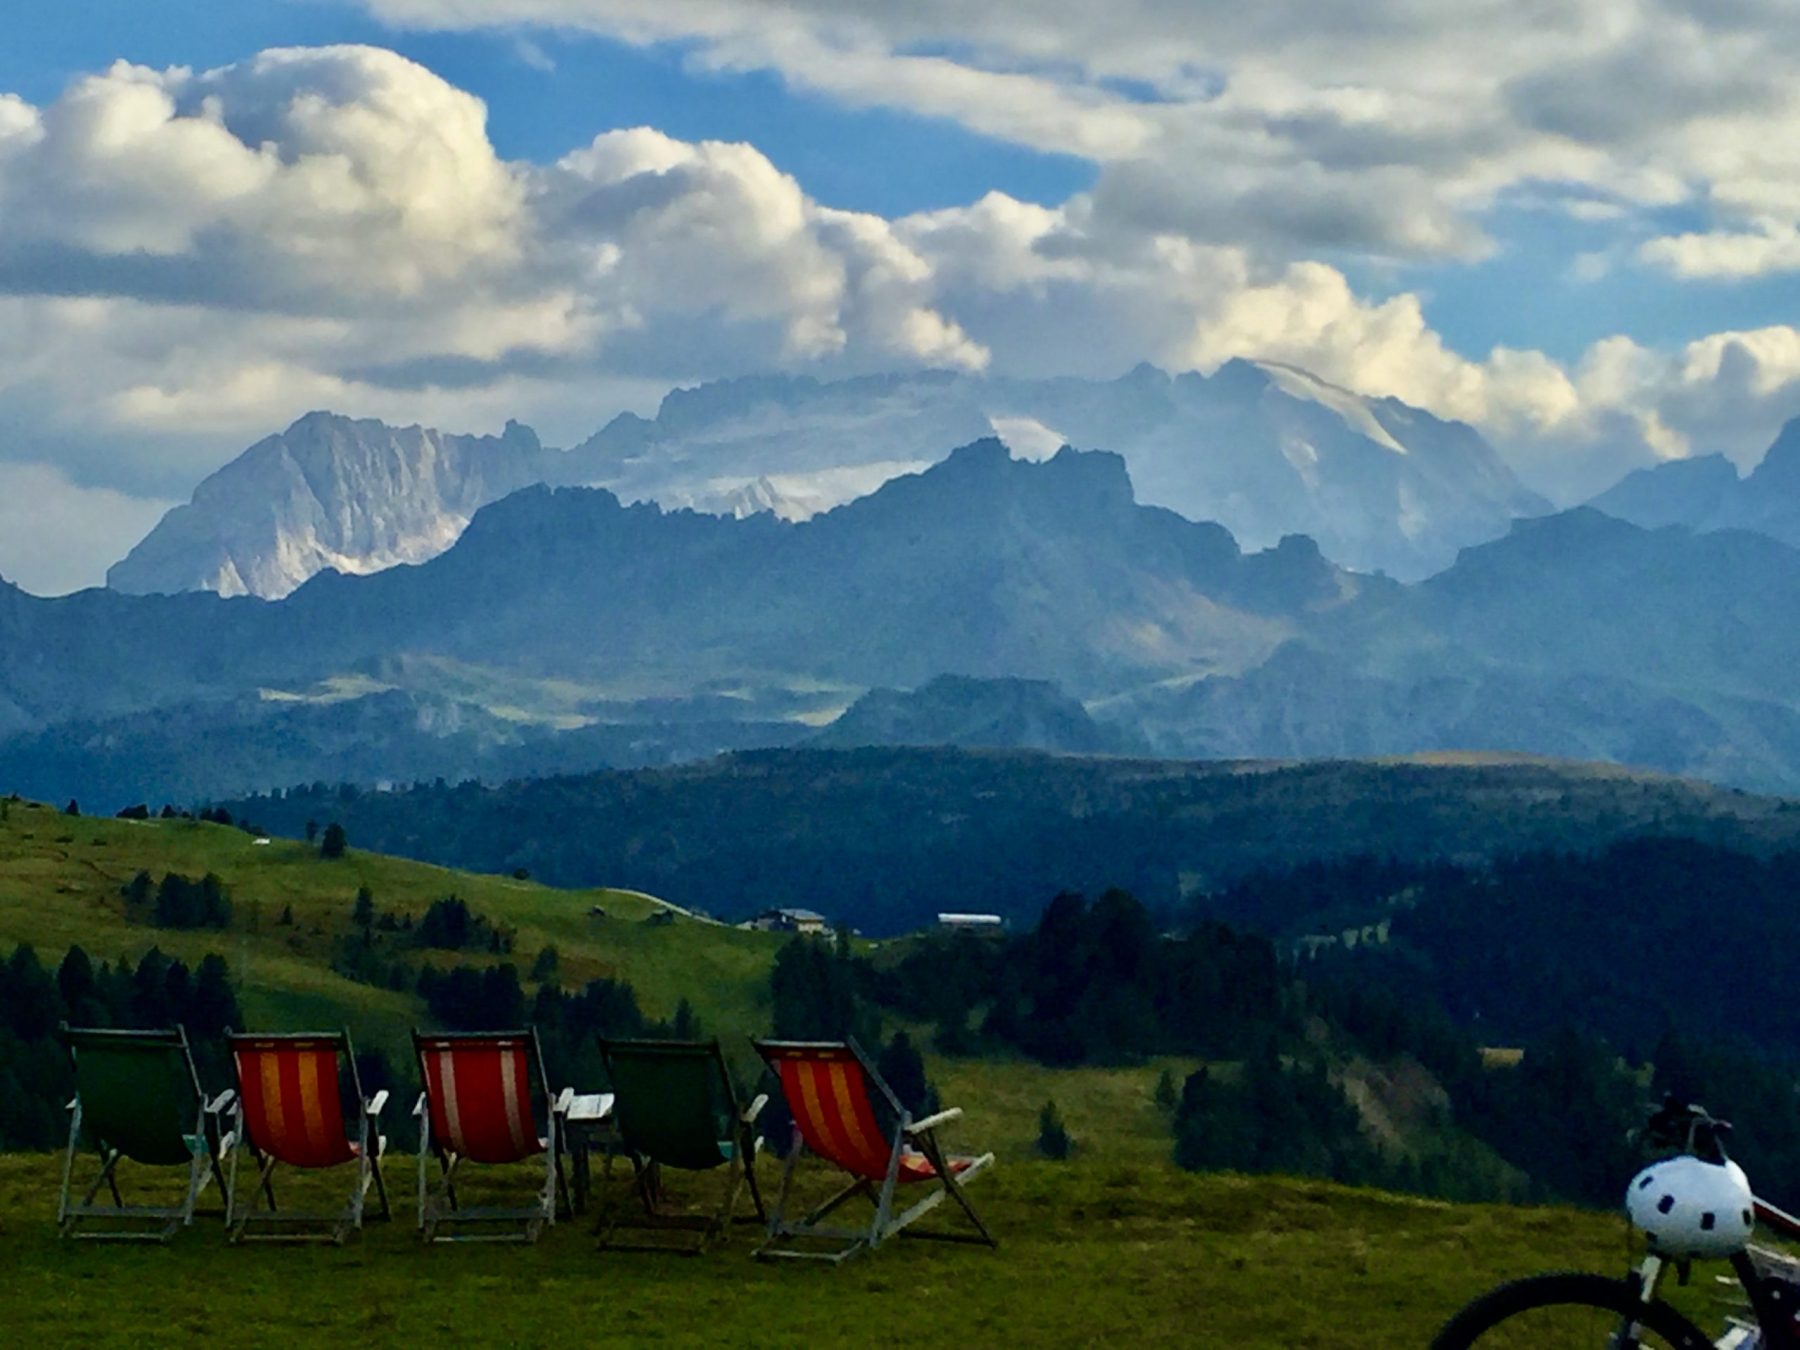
point(138, 1099)
point(291, 1113)
point(478, 1107)
point(675, 1107)
point(915, 1166)
point(846, 1115)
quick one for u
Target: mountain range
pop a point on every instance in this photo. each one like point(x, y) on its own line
point(563, 610)
point(1707, 493)
point(1263, 449)
point(566, 630)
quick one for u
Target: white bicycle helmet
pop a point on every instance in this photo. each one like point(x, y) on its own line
point(1691, 1208)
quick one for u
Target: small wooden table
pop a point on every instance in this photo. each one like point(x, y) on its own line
point(590, 1125)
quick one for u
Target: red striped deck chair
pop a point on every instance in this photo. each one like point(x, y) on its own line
point(291, 1111)
point(477, 1107)
point(845, 1114)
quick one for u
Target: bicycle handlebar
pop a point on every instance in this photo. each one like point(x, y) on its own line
point(1688, 1127)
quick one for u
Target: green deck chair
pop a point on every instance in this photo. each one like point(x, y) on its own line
point(675, 1107)
point(138, 1098)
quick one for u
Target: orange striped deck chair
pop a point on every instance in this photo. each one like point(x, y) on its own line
point(477, 1107)
point(291, 1111)
point(845, 1114)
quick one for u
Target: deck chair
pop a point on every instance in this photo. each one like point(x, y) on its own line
point(291, 1110)
point(675, 1107)
point(138, 1098)
point(844, 1113)
point(477, 1107)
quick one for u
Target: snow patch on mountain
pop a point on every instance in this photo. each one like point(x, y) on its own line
point(1027, 437)
point(1352, 408)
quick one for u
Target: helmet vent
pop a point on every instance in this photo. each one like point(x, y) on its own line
point(1664, 1205)
point(1748, 1218)
point(1707, 1222)
point(1647, 1182)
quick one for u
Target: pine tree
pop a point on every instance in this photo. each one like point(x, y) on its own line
point(334, 843)
point(903, 1069)
point(1165, 1095)
point(213, 1006)
point(1053, 1139)
point(362, 914)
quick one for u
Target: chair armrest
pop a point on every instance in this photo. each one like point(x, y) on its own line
point(564, 1100)
point(222, 1103)
point(943, 1117)
point(752, 1111)
point(374, 1105)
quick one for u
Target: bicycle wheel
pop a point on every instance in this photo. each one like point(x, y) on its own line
point(1549, 1312)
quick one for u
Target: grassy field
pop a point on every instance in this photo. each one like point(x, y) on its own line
point(1091, 1252)
point(1113, 1246)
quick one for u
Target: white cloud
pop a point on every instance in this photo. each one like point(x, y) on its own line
point(1733, 255)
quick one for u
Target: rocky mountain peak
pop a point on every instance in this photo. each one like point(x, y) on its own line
point(329, 493)
point(1780, 467)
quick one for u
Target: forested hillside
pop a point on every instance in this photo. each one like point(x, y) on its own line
point(884, 839)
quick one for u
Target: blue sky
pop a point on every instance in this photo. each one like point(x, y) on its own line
point(1577, 232)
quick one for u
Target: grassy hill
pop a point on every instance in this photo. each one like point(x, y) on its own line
point(61, 878)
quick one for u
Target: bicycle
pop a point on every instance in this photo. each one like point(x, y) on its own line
point(1568, 1308)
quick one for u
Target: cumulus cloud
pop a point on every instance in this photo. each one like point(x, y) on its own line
point(1387, 127)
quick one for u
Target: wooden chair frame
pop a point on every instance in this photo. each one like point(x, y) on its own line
point(791, 1238)
point(438, 1205)
point(246, 1222)
point(740, 1171)
point(206, 1146)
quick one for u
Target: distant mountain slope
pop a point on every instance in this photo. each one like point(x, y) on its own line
point(329, 492)
point(885, 838)
point(1578, 635)
point(1706, 493)
point(1266, 450)
point(957, 710)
